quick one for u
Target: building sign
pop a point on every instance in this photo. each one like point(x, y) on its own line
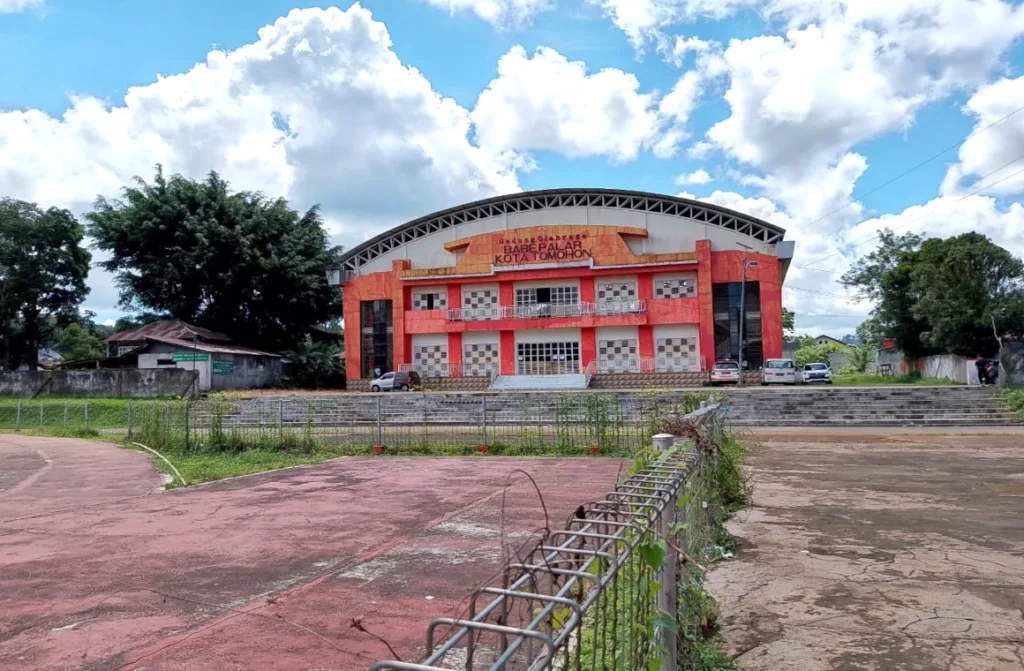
point(542, 248)
point(189, 356)
point(223, 367)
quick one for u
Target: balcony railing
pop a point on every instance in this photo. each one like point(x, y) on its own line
point(546, 310)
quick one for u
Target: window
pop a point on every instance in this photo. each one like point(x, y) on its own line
point(727, 365)
point(726, 309)
point(815, 366)
point(165, 362)
point(782, 364)
point(435, 300)
point(376, 334)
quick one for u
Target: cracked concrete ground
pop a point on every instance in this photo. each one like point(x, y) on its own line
point(879, 551)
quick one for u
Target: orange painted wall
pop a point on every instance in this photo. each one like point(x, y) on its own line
point(375, 286)
point(711, 267)
point(728, 267)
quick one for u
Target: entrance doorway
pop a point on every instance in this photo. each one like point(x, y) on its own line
point(547, 358)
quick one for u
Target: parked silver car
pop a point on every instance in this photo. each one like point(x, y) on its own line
point(817, 372)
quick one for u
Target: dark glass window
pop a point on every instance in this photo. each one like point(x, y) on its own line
point(726, 306)
point(376, 335)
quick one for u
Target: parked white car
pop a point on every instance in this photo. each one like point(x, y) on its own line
point(817, 372)
point(779, 371)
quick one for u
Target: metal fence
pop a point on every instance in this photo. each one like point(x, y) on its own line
point(519, 424)
point(100, 416)
point(613, 590)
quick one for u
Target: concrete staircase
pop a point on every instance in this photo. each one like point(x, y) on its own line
point(869, 406)
point(539, 382)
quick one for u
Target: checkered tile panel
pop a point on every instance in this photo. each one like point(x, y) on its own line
point(675, 288)
point(483, 301)
point(421, 301)
point(479, 358)
point(431, 360)
point(613, 292)
point(617, 356)
point(676, 355)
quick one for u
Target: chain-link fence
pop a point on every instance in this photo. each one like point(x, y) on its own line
point(619, 588)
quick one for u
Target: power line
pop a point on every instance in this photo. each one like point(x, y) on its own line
point(910, 170)
point(916, 219)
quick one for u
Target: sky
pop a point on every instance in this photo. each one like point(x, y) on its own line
point(830, 118)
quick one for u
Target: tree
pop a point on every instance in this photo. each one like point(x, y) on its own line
point(788, 322)
point(812, 352)
point(43, 267)
point(964, 285)
point(871, 333)
point(77, 343)
point(238, 263)
point(940, 295)
point(317, 365)
point(885, 277)
point(128, 323)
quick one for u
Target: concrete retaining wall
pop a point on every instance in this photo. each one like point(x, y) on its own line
point(123, 383)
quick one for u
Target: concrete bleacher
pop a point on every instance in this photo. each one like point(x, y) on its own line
point(538, 382)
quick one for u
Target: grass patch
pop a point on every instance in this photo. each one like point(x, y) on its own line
point(69, 414)
point(1015, 399)
point(205, 467)
point(875, 380)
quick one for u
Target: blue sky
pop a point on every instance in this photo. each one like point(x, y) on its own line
point(785, 108)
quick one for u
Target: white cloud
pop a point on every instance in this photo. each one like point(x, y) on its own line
point(643, 21)
point(696, 178)
point(990, 148)
point(499, 13)
point(15, 6)
point(318, 109)
point(546, 102)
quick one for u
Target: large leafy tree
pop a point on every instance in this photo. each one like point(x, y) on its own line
point(77, 343)
point(788, 322)
point(43, 267)
point(965, 285)
point(235, 262)
point(885, 276)
point(941, 295)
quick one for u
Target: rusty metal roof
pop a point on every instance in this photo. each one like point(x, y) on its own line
point(215, 348)
point(168, 328)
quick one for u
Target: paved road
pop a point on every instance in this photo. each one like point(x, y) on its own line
point(880, 550)
point(262, 572)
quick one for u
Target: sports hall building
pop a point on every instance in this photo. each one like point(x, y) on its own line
point(567, 282)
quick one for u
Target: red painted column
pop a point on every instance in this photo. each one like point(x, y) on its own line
point(454, 296)
point(705, 301)
point(506, 294)
point(588, 344)
point(353, 331)
point(508, 353)
point(645, 346)
point(645, 287)
point(400, 349)
point(455, 353)
point(587, 293)
point(771, 307)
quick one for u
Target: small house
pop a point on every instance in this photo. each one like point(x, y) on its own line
point(220, 363)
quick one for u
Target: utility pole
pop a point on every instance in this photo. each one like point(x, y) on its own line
point(743, 300)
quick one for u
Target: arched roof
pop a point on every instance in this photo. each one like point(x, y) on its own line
point(526, 201)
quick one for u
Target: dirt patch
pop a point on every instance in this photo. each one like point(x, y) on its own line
point(880, 551)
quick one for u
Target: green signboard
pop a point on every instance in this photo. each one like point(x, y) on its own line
point(223, 367)
point(189, 356)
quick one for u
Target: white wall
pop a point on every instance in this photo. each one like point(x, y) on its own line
point(541, 284)
point(426, 339)
point(149, 360)
point(549, 335)
point(616, 333)
point(677, 331)
point(480, 337)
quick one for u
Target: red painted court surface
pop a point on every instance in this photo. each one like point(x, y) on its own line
point(99, 570)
